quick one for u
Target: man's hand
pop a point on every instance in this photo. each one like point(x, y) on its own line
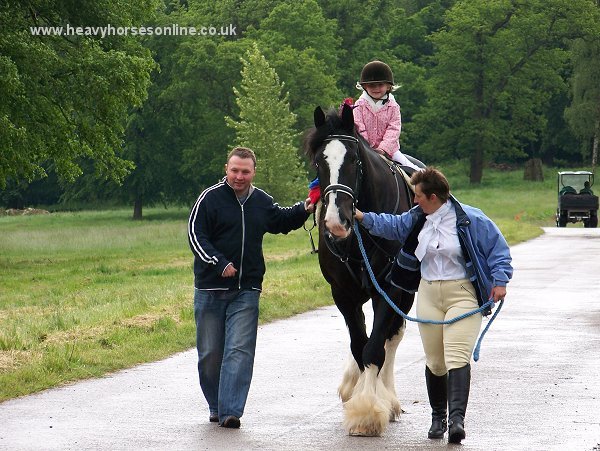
point(308, 206)
point(229, 271)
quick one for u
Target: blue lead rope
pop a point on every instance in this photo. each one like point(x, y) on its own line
point(485, 306)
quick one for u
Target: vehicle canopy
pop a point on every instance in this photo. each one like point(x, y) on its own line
point(574, 181)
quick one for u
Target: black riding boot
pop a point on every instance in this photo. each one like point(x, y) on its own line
point(459, 382)
point(438, 399)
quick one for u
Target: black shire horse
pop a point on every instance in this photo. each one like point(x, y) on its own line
point(352, 174)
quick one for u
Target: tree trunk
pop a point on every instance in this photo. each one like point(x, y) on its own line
point(533, 170)
point(476, 165)
point(137, 209)
point(476, 170)
point(595, 147)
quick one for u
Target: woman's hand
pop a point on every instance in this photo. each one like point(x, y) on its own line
point(498, 293)
point(359, 215)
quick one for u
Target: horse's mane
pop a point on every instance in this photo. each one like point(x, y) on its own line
point(314, 137)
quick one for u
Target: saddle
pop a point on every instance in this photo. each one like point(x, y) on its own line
point(404, 171)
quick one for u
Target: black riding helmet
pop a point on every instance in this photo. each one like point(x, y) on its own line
point(376, 72)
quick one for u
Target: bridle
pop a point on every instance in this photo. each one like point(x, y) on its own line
point(343, 252)
point(345, 189)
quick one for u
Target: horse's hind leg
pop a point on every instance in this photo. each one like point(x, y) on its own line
point(387, 372)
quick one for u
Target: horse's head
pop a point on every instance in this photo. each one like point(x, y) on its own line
point(335, 152)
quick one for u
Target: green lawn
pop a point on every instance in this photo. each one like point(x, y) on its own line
point(86, 293)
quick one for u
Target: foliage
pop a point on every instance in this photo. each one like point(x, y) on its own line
point(266, 125)
point(67, 97)
point(583, 114)
point(304, 49)
point(492, 81)
point(496, 64)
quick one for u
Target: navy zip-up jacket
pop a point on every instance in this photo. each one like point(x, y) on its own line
point(221, 230)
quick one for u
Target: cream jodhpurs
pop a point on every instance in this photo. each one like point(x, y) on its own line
point(447, 346)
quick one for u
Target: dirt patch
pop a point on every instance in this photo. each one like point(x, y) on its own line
point(79, 334)
point(281, 256)
point(26, 212)
point(146, 320)
point(9, 360)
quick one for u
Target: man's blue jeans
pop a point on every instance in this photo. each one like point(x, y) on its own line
point(226, 327)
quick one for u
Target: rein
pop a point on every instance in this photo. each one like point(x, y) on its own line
point(485, 306)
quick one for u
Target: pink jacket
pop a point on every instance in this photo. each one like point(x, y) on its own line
point(380, 128)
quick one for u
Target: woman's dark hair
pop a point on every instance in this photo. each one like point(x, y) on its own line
point(432, 182)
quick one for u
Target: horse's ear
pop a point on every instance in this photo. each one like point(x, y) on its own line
point(347, 117)
point(319, 116)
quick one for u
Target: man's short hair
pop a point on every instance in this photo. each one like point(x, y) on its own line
point(432, 182)
point(242, 152)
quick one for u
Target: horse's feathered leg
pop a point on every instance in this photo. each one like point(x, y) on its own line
point(367, 412)
point(357, 329)
point(374, 402)
point(380, 351)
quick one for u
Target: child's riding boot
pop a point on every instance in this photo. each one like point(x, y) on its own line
point(438, 399)
point(459, 382)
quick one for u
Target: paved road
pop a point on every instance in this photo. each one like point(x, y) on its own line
point(536, 386)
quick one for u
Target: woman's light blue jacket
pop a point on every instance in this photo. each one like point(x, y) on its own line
point(488, 260)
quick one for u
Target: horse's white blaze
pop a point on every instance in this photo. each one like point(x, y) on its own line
point(335, 152)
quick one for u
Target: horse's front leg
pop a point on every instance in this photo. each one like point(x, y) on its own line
point(355, 321)
point(367, 413)
point(374, 402)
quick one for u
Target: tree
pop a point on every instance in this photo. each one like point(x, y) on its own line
point(66, 97)
point(497, 64)
point(266, 126)
point(179, 137)
point(583, 114)
point(384, 30)
point(304, 49)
